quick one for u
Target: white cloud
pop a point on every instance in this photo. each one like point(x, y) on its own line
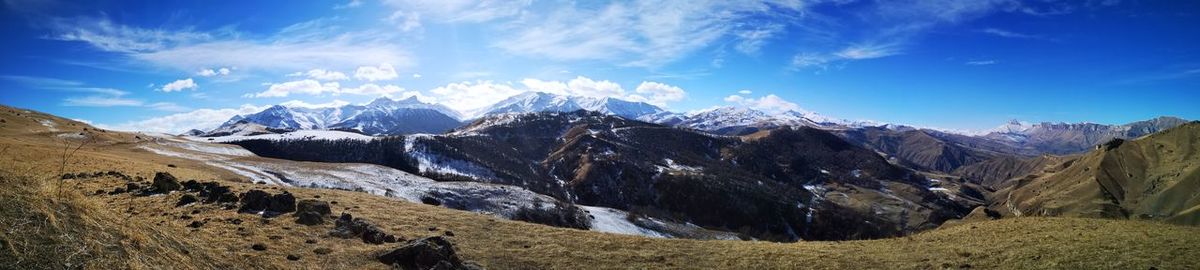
point(655, 93)
point(208, 72)
point(311, 87)
point(371, 89)
point(179, 85)
point(416, 75)
point(467, 96)
point(769, 103)
point(745, 92)
point(204, 119)
point(579, 86)
point(302, 104)
point(385, 71)
point(321, 74)
point(659, 93)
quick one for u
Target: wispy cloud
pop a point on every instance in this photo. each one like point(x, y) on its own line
point(100, 101)
point(1008, 34)
point(982, 62)
point(304, 46)
point(639, 34)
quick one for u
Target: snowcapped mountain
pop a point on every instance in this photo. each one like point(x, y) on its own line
point(738, 120)
point(382, 116)
point(546, 102)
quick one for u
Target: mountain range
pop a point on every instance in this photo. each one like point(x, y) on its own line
point(939, 150)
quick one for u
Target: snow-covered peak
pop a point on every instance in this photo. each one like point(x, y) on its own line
point(546, 102)
point(1014, 127)
point(723, 117)
point(381, 116)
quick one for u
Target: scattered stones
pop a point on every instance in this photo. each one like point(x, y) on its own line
point(116, 191)
point(322, 251)
point(310, 241)
point(171, 165)
point(258, 246)
point(236, 221)
point(293, 257)
point(196, 224)
point(426, 253)
point(449, 233)
point(312, 212)
point(165, 182)
point(347, 226)
point(99, 192)
point(186, 199)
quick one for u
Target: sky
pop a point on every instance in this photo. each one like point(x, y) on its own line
point(170, 66)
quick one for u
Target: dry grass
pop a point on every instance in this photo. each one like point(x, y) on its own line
point(43, 230)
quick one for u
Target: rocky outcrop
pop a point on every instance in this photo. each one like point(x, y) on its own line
point(426, 253)
point(258, 201)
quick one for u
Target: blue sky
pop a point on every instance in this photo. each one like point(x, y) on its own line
point(174, 65)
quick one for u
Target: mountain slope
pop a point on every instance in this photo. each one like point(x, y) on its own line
point(995, 172)
point(786, 184)
point(1154, 177)
point(917, 148)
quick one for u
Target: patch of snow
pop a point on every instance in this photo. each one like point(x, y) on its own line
point(72, 135)
point(53, 127)
point(671, 165)
point(613, 221)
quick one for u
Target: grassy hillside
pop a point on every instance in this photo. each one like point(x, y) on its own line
point(1154, 177)
point(65, 224)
